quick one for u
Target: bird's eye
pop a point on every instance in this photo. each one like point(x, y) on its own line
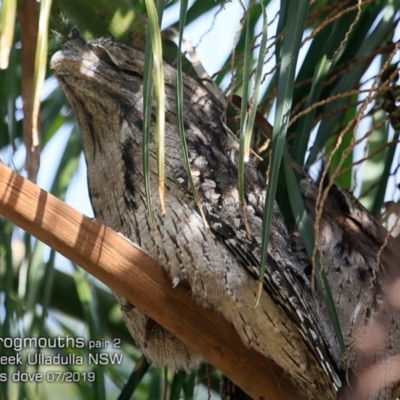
point(103, 55)
point(131, 72)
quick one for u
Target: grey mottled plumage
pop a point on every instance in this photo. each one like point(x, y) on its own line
point(361, 261)
point(103, 83)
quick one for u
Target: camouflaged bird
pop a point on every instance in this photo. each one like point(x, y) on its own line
point(102, 80)
point(361, 261)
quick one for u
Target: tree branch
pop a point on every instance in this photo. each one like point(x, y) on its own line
point(133, 274)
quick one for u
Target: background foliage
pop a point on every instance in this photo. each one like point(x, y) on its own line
point(340, 106)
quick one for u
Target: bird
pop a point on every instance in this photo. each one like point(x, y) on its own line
point(204, 243)
point(360, 259)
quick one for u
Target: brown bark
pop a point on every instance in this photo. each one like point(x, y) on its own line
point(133, 274)
point(29, 19)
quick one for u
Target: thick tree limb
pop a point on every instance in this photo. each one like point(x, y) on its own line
point(135, 275)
